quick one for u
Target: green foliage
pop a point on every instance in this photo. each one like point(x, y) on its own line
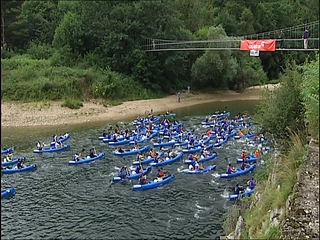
point(108, 103)
point(274, 193)
point(39, 51)
point(229, 225)
point(274, 232)
point(99, 34)
point(214, 68)
point(72, 103)
point(282, 110)
point(310, 94)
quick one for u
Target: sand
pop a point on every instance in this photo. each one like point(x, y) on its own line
point(16, 114)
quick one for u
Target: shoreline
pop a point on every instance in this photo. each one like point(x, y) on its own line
point(15, 114)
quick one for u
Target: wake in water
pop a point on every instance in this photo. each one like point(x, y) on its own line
point(225, 193)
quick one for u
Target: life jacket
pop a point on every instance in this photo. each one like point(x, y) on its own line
point(243, 165)
point(138, 168)
point(251, 184)
point(142, 180)
point(256, 153)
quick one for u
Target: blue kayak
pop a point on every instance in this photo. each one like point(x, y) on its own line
point(12, 162)
point(167, 161)
point(131, 151)
point(7, 150)
point(61, 139)
point(154, 183)
point(132, 175)
point(121, 142)
point(220, 115)
point(14, 169)
point(238, 172)
point(247, 192)
point(143, 138)
point(9, 192)
point(52, 149)
point(168, 115)
point(87, 159)
point(206, 169)
point(220, 143)
point(197, 149)
point(202, 160)
point(107, 140)
point(248, 159)
point(165, 144)
point(146, 160)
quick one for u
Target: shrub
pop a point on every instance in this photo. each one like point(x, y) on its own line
point(72, 103)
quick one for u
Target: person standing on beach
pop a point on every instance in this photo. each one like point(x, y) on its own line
point(179, 96)
point(305, 38)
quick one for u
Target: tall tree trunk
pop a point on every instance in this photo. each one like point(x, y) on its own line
point(2, 25)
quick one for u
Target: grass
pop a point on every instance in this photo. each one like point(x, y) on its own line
point(72, 103)
point(109, 103)
point(282, 171)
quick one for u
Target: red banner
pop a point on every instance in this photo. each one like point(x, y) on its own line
point(258, 45)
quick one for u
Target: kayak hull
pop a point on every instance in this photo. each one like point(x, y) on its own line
point(87, 160)
point(14, 161)
point(53, 149)
point(7, 150)
point(132, 152)
point(202, 160)
point(206, 169)
point(249, 159)
point(132, 175)
point(167, 161)
point(13, 169)
point(238, 172)
point(9, 192)
point(153, 183)
point(197, 149)
point(247, 193)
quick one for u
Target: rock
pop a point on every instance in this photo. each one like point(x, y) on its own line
point(239, 227)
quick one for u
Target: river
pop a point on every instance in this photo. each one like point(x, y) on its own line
point(58, 201)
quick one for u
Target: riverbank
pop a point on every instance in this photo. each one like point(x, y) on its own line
point(15, 114)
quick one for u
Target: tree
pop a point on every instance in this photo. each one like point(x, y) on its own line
point(214, 68)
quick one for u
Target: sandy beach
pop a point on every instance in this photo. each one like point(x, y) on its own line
point(15, 114)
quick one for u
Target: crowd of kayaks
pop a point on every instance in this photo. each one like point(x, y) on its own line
point(159, 134)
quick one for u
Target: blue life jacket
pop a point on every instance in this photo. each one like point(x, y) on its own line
point(251, 184)
point(122, 173)
point(138, 168)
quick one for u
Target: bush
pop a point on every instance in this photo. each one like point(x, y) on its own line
point(310, 94)
point(72, 103)
point(39, 51)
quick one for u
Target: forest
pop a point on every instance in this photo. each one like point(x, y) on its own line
point(55, 49)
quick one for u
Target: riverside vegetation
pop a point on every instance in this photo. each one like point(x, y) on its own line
point(291, 114)
point(78, 50)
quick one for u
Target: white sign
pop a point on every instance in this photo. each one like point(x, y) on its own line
point(254, 53)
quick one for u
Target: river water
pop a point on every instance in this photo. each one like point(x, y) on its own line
point(58, 201)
